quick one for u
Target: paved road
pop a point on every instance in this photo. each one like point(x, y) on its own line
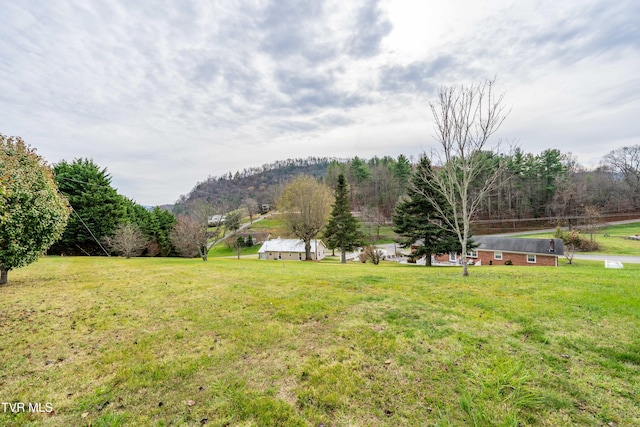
point(622, 258)
point(232, 232)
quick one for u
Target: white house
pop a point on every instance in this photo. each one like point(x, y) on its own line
point(217, 220)
point(291, 249)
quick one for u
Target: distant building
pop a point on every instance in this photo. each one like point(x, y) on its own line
point(291, 249)
point(216, 220)
point(264, 208)
point(508, 250)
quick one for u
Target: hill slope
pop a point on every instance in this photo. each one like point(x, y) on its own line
point(261, 184)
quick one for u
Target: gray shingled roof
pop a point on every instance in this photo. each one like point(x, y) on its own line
point(524, 245)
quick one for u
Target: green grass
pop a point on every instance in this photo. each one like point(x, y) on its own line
point(115, 342)
point(272, 224)
point(222, 250)
point(379, 235)
point(611, 239)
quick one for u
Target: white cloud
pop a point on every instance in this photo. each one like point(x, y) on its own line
point(164, 94)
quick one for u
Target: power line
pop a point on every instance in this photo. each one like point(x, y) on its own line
point(83, 182)
point(85, 225)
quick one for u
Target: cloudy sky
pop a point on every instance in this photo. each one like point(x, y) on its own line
point(166, 93)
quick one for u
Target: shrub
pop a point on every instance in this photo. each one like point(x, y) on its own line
point(573, 240)
point(373, 254)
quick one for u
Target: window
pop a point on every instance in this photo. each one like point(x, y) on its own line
point(452, 257)
point(531, 258)
point(472, 253)
point(497, 255)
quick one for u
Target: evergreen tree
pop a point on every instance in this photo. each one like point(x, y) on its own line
point(155, 225)
point(402, 171)
point(342, 231)
point(416, 219)
point(162, 222)
point(360, 170)
point(98, 206)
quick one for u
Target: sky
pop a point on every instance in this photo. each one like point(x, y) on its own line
point(164, 94)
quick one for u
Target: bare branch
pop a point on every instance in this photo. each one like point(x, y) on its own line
point(466, 118)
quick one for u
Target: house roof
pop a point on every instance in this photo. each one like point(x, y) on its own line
point(288, 245)
point(524, 245)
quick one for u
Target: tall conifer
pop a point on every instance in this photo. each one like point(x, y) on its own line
point(417, 220)
point(342, 231)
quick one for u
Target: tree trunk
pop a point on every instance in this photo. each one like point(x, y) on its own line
point(427, 260)
point(204, 252)
point(4, 276)
point(463, 254)
point(307, 250)
point(343, 256)
point(465, 267)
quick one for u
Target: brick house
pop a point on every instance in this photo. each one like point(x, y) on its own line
point(499, 250)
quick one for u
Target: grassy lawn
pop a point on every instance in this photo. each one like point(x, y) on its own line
point(222, 250)
point(272, 224)
point(379, 235)
point(611, 239)
point(114, 342)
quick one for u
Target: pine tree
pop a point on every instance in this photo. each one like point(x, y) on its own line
point(342, 231)
point(416, 219)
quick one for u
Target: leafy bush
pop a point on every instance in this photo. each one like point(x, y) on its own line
point(574, 241)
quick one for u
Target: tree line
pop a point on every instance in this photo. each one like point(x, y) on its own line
point(550, 184)
point(102, 219)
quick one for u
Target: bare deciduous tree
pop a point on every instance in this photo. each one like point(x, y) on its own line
point(592, 220)
point(235, 243)
point(252, 208)
point(626, 162)
point(127, 241)
point(189, 236)
point(465, 119)
point(305, 205)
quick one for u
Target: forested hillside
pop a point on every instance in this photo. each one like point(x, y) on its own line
point(260, 184)
point(549, 186)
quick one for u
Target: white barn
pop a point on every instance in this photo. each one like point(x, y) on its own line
point(291, 249)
